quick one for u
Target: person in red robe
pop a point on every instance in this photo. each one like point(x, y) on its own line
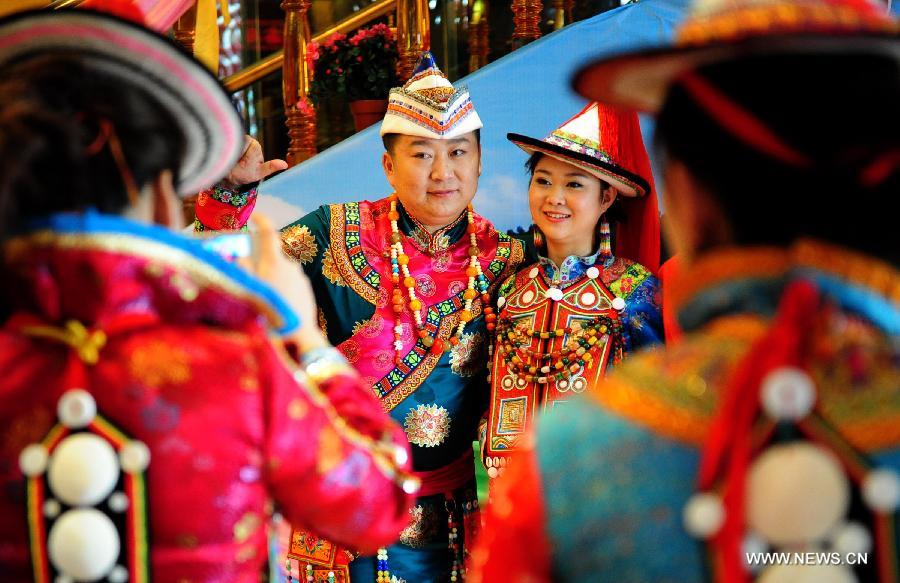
point(157, 403)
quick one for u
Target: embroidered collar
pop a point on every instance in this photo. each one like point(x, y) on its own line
point(572, 266)
point(750, 280)
point(157, 248)
point(431, 243)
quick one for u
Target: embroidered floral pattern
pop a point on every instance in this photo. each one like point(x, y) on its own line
point(299, 243)
point(427, 425)
point(468, 357)
point(329, 270)
point(158, 363)
point(423, 527)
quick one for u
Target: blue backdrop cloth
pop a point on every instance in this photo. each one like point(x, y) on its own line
point(527, 92)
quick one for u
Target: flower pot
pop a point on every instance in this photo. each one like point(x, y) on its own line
point(367, 112)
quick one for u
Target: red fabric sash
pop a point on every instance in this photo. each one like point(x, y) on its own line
point(451, 477)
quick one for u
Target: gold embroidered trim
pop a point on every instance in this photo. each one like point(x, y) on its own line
point(341, 256)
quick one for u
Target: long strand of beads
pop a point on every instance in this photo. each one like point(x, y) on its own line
point(309, 573)
point(330, 576)
point(400, 275)
point(453, 542)
point(384, 572)
point(287, 568)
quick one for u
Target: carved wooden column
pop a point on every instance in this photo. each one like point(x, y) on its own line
point(413, 35)
point(301, 116)
point(526, 18)
point(186, 28)
point(479, 36)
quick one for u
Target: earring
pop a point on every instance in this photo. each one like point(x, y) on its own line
point(605, 237)
point(538, 237)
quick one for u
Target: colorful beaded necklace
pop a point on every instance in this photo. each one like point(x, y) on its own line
point(400, 275)
point(578, 351)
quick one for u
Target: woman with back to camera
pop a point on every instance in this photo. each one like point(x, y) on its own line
point(147, 418)
point(772, 426)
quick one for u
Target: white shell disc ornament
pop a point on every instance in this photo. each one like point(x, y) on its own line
point(83, 544)
point(807, 574)
point(83, 470)
point(796, 494)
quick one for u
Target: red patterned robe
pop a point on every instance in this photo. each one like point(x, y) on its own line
point(211, 423)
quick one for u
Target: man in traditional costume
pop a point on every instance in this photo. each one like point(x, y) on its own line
point(564, 320)
point(403, 284)
point(149, 414)
point(773, 425)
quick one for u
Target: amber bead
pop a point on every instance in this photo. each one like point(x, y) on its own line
point(395, 237)
point(403, 259)
point(409, 282)
point(465, 316)
point(427, 340)
point(470, 294)
point(415, 305)
point(394, 215)
point(473, 251)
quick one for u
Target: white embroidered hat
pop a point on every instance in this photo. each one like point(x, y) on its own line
point(429, 106)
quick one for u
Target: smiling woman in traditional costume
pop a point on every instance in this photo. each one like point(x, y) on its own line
point(765, 444)
point(563, 321)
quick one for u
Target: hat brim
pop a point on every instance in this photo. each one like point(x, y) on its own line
point(138, 57)
point(640, 81)
point(627, 183)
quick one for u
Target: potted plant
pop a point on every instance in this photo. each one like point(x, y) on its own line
point(362, 68)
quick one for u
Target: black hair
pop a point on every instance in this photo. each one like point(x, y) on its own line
point(51, 112)
point(838, 110)
point(388, 140)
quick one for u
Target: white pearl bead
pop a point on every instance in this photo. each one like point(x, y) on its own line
point(83, 544)
point(881, 490)
point(76, 409)
point(492, 472)
point(533, 273)
point(83, 470)
point(788, 394)
point(554, 294)
point(135, 457)
point(703, 515)
point(588, 299)
point(501, 301)
point(411, 486)
point(118, 502)
point(51, 508)
point(753, 544)
point(852, 537)
point(400, 455)
point(33, 460)
point(593, 272)
point(119, 574)
point(618, 304)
